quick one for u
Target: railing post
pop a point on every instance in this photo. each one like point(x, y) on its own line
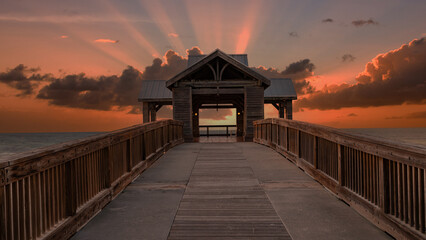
point(315, 152)
point(226, 131)
point(298, 143)
point(129, 155)
point(109, 166)
point(383, 184)
point(339, 164)
point(2, 210)
point(70, 184)
point(207, 131)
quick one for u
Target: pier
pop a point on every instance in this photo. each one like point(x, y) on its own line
point(295, 181)
point(272, 179)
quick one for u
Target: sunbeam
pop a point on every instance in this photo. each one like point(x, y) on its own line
point(157, 12)
point(248, 26)
point(142, 41)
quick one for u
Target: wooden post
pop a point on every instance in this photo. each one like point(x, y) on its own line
point(315, 152)
point(153, 112)
point(2, 211)
point(289, 109)
point(70, 184)
point(182, 110)
point(383, 185)
point(339, 164)
point(145, 112)
point(253, 109)
point(281, 110)
point(297, 143)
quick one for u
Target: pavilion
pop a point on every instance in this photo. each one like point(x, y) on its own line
point(217, 80)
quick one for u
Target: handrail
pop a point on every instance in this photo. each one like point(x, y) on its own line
point(216, 126)
point(383, 180)
point(51, 192)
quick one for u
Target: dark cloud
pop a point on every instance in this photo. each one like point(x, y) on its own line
point(297, 71)
point(194, 51)
point(392, 78)
point(360, 23)
point(24, 79)
point(327, 20)
point(352, 115)
point(348, 58)
point(293, 34)
point(174, 63)
point(108, 92)
point(416, 115)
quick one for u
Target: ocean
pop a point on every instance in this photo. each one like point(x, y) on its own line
point(11, 143)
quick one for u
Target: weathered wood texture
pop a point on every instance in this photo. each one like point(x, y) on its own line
point(224, 200)
point(384, 181)
point(182, 110)
point(51, 192)
point(253, 109)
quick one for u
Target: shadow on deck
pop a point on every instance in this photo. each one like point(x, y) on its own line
point(226, 190)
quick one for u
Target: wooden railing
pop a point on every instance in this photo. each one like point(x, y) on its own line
point(208, 127)
point(384, 181)
point(52, 192)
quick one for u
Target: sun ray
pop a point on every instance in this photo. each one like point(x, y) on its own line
point(248, 26)
point(158, 14)
point(140, 39)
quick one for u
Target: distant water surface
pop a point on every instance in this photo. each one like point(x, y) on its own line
point(413, 136)
point(11, 143)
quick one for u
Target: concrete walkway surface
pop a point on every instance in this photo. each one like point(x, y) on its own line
point(226, 191)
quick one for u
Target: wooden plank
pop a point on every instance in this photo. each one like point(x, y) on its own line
point(224, 199)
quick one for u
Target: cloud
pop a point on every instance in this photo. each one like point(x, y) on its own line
point(215, 115)
point(416, 115)
point(66, 18)
point(348, 58)
point(105, 40)
point(194, 51)
point(352, 115)
point(393, 78)
point(24, 79)
point(327, 20)
point(173, 35)
point(293, 34)
point(64, 37)
point(298, 71)
point(360, 23)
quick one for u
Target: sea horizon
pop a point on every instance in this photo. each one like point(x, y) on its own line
point(14, 143)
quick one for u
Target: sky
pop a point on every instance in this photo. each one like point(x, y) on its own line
point(78, 65)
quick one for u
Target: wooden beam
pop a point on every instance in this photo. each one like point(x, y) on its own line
point(213, 91)
point(289, 109)
point(215, 107)
point(276, 106)
point(145, 112)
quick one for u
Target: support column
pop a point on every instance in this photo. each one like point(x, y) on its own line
point(182, 110)
point(240, 122)
point(145, 112)
point(289, 109)
point(253, 109)
point(153, 112)
point(281, 110)
point(196, 122)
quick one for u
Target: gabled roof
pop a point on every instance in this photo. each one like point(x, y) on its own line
point(192, 59)
point(218, 53)
point(280, 88)
point(154, 90)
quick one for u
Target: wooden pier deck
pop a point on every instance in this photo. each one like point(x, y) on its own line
point(295, 181)
point(226, 191)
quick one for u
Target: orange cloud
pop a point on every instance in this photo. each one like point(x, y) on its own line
point(173, 35)
point(105, 40)
point(64, 37)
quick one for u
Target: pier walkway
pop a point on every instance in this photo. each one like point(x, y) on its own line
point(228, 191)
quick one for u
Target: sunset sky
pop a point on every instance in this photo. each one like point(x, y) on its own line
point(77, 65)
